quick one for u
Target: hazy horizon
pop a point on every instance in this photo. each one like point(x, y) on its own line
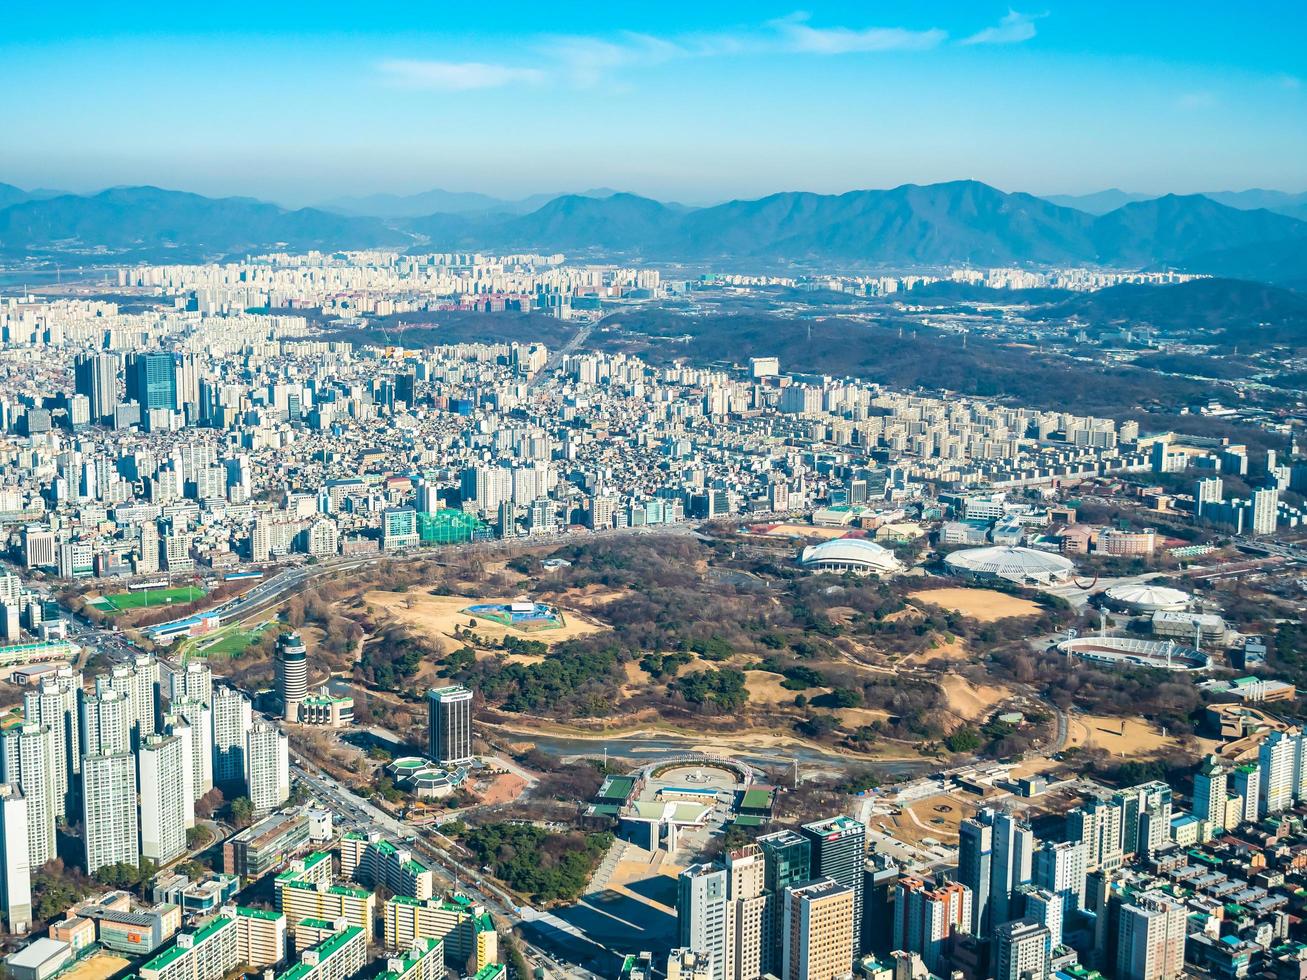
point(301, 103)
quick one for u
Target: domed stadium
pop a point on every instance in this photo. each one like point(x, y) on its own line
point(856, 555)
point(1024, 566)
point(1147, 598)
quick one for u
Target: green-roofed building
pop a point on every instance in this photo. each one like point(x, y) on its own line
point(424, 960)
point(337, 957)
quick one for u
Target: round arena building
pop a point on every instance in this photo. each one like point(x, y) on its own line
point(1024, 566)
point(1144, 598)
point(856, 555)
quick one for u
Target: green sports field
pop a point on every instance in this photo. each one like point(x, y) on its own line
point(123, 601)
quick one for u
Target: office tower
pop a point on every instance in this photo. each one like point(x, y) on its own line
point(1266, 504)
point(787, 857)
point(109, 810)
point(879, 877)
point(703, 916)
point(1246, 783)
point(198, 717)
point(292, 665)
point(15, 865)
point(1021, 951)
point(194, 681)
point(975, 867)
point(1150, 944)
point(839, 849)
point(29, 765)
point(1210, 791)
point(818, 941)
point(1045, 907)
point(925, 916)
point(54, 705)
point(163, 798)
point(96, 376)
point(106, 726)
point(1060, 868)
point(1014, 848)
point(152, 380)
point(232, 720)
point(1097, 825)
point(746, 890)
point(267, 768)
point(449, 725)
point(1277, 759)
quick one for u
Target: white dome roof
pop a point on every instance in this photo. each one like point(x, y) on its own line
point(858, 551)
point(1017, 564)
point(1144, 596)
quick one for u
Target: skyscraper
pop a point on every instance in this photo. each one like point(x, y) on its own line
point(1277, 759)
point(1210, 791)
point(1246, 783)
point(29, 765)
point(1150, 943)
point(1044, 907)
point(1021, 951)
point(163, 798)
point(267, 768)
point(787, 857)
point(925, 915)
point(818, 940)
point(109, 810)
point(232, 720)
point(15, 866)
point(292, 665)
point(152, 380)
point(839, 849)
point(95, 375)
point(198, 716)
point(1014, 847)
point(139, 681)
point(194, 681)
point(449, 725)
point(1266, 505)
point(975, 868)
point(178, 727)
point(703, 916)
point(1097, 824)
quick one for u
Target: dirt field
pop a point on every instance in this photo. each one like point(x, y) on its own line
point(100, 966)
point(439, 616)
point(807, 531)
point(968, 701)
point(984, 605)
point(765, 688)
point(640, 866)
point(1123, 737)
point(503, 788)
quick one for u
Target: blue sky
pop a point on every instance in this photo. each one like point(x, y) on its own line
point(697, 102)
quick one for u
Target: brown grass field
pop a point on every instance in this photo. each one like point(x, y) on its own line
point(439, 616)
point(984, 605)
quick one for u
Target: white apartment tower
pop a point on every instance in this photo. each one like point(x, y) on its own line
point(163, 798)
point(232, 720)
point(703, 916)
point(109, 810)
point(267, 768)
point(15, 867)
point(29, 765)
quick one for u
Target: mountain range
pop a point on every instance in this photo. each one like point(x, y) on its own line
point(909, 226)
point(1101, 202)
point(444, 202)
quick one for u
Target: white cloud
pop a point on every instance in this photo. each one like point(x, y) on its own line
point(455, 76)
point(586, 60)
point(798, 35)
point(1012, 29)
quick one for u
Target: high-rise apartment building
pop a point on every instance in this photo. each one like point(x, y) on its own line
point(163, 798)
point(1097, 825)
point(1060, 868)
point(15, 864)
point(152, 380)
point(975, 869)
point(292, 670)
point(1211, 783)
point(1246, 783)
point(1014, 848)
point(926, 914)
point(746, 890)
point(232, 720)
point(1021, 951)
point(818, 941)
point(1266, 504)
point(194, 681)
point(267, 767)
point(703, 917)
point(54, 705)
point(95, 375)
point(1151, 937)
point(449, 725)
point(109, 822)
point(106, 721)
point(28, 757)
point(839, 850)
point(1277, 758)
